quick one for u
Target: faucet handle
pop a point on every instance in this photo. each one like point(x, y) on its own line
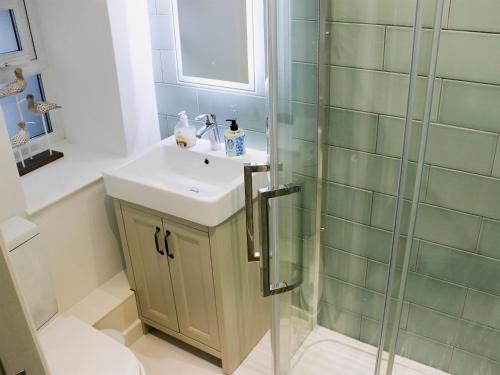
point(210, 119)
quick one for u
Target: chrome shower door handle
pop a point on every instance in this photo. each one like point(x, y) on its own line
point(253, 255)
point(269, 289)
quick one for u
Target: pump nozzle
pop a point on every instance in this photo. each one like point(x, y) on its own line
point(234, 125)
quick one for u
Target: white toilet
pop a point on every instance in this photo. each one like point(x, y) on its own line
point(70, 346)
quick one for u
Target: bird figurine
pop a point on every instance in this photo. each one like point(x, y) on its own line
point(22, 137)
point(15, 87)
point(39, 108)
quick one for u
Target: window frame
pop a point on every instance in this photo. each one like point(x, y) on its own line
point(249, 87)
point(32, 64)
point(23, 29)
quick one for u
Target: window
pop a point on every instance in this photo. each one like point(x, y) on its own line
point(16, 43)
point(16, 47)
point(214, 42)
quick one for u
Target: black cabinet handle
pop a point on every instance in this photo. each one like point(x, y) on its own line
point(169, 254)
point(157, 243)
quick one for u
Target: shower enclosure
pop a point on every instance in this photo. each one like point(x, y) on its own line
point(380, 242)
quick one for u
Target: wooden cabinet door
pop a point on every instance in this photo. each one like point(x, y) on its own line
point(191, 270)
point(151, 269)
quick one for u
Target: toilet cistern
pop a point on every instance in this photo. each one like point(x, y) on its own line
point(212, 129)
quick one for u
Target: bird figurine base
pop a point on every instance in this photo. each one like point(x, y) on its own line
point(37, 161)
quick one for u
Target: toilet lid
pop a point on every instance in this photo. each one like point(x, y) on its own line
point(73, 347)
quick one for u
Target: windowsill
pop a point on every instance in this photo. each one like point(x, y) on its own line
point(79, 168)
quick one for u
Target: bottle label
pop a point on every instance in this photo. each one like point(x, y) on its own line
point(235, 146)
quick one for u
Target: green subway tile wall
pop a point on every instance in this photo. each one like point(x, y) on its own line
point(451, 315)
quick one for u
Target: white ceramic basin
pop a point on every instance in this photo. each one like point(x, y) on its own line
point(197, 184)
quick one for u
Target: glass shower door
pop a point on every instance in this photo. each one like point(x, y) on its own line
point(293, 220)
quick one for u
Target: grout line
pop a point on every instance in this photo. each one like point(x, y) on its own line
point(427, 183)
point(366, 273)
point(372, 202)
point(479, 235)
point(465, 302)
point(384, 48)
point(410, 309)
point(495, 151)
point(198, 100)
point(417, 257)
point(377, 131)
point(163, 74)
point(449, 15)
point(453, 352)
point(440, 99)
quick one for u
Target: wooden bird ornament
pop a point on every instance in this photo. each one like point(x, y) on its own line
point(39, 108)
point(22, 137)
point(15, 87)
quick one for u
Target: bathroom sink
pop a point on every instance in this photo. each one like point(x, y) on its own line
point(197, 184)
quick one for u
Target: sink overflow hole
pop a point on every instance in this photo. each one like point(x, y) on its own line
point(207, 162)
point(194, 189)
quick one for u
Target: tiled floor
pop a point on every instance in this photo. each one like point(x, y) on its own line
point(324, 352)
point(163, 355)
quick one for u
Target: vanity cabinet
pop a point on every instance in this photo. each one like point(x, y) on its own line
point(173, 275)
point(193, 282)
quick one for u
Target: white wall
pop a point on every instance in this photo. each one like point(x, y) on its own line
point(129, 22)
point(99, 68)
point(11, 194)
point(81, 74)
point(81, 238)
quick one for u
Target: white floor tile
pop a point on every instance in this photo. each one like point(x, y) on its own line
point(323, 352)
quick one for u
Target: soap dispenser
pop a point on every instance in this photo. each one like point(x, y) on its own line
point(234, 140)
point(185, 133)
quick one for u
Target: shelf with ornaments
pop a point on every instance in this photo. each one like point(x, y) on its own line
point(22, 139)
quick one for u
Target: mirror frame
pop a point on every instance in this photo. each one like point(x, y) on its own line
point(215, 83)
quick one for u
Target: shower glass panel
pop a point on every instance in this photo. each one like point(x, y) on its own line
point(374, 92)
point(293, 107)
point(451, 299)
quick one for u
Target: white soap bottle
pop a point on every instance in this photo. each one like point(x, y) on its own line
point(185, 133)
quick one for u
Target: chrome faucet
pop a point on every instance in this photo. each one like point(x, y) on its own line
point(212, 129)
